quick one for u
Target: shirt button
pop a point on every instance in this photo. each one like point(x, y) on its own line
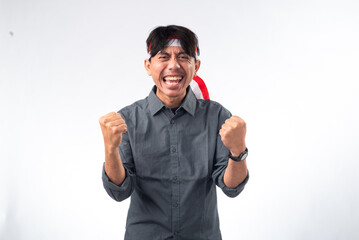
point(173, 149)
point(175, 233)
point(174, 178)
point(175, 204)
point(172, 121)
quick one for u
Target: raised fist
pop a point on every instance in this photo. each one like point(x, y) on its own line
point(112, 127)
point(233, 133)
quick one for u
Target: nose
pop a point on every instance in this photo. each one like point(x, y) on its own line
point(173, 63)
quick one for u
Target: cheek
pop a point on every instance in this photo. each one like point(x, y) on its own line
point(157, 71)
point(190, 71)
point(191, 68)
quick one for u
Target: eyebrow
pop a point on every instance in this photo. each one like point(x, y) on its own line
point(182, 53)
point(163, 52)
point(166, 53)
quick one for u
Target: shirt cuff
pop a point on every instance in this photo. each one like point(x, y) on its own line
point(233, 192)
point(117, 192)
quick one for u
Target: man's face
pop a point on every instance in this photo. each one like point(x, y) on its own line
point(172, 71)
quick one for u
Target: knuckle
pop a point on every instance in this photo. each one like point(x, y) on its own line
point(107, 124)
point(116, 130)
point(102, 120)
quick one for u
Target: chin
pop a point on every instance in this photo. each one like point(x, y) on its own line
point(172, 93)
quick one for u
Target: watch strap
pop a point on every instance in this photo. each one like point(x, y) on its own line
point(241, 156)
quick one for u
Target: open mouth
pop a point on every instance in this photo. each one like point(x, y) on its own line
point(172, 80)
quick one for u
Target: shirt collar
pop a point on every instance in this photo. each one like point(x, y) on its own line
point(188, 104)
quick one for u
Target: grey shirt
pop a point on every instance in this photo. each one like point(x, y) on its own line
point(173, 162)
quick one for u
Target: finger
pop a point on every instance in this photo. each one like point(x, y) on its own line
point(106, 117)
point(102, 118)
point(115, 116)
point(115, 119)
point(119, 129)
point(222, 132)
point(117, 122)
point(231, 120)
point(237, 119)
point(223, 137)
point(225, 126)
point(112, 118)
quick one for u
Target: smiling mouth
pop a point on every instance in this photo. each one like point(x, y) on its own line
point(172, 80)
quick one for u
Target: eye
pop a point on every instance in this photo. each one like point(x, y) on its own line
point(183, 57)
point(163, 57)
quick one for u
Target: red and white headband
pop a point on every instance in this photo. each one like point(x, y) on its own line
point(174, 42)
point(199, 88)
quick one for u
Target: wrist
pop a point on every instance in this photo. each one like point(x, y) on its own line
point(236, 152)
point(110, 150)
point(241, 157)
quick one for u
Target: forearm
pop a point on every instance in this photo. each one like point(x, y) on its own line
point(113, 166)
point(233, 134)
point(235, 173)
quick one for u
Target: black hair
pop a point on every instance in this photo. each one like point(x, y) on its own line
point(159, 38)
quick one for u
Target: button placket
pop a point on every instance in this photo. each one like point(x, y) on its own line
point(174, 158)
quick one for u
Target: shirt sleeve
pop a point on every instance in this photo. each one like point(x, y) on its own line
point(221, 161)
point(117, 192)
point(123, 191)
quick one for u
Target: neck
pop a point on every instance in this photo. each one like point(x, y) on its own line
point(171, 102)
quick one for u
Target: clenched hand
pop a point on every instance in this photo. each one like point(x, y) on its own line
point(233, 133)
point(112, 127)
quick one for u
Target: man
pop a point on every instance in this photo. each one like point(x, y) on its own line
point(170, 150)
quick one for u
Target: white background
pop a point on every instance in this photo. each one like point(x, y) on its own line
point(289, 68)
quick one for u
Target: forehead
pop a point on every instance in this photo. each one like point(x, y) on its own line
point(172, 50)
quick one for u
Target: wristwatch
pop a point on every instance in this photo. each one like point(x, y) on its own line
point(241, 157)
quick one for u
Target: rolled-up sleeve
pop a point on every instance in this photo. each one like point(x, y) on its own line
point(232, 192)
point(117, 192)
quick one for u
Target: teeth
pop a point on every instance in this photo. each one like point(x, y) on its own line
point(173, 78)
point(171, 83)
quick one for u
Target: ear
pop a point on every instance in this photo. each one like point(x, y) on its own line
point(196, 67)
point(148, 67)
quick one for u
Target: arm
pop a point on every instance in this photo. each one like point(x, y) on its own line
point(118, 172)
point(112, 127)
point(113, 166)
point(235, 173)
point(233, 134)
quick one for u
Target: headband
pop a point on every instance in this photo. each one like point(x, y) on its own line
point(174, 42)
point(199, 88)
